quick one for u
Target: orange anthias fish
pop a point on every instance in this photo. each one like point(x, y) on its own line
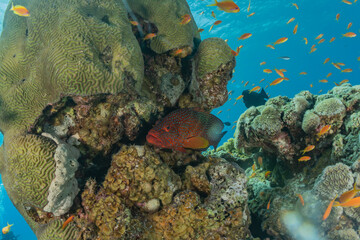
point(308, 149)
point(280, 40)
point(304, 159)
point(323, 80)
point(332, 39)
point(337, 16)
point(328, 75)
point(328, 209)
point(226, 6)
point(346, 196)
point(20, 10)
point(270, 46)
point(239, 97)
point(343, 81)
point(303, 73)
point(336, 65)
point(6, 229)
point(306, 41)
point(186, 128)
point(185, 19)
point(217, 22)
point(290, 20)
point(296, 6)
point(324, 130)
point(326, 60)
point(251, 14)
point(301, 199)
point(354, 202)
point(245, 36)
point(267, 71)
point(349, 34)
point(262, 63)
point(319, 36)
point(276, 81)
point(295, 29)
point(254, 89)
point(149, 36)
point(67, 222)
point(280, 73)
point(260, 161)
point(267, 173)
point(347, 70)
point(349, 25)
point(268, 205)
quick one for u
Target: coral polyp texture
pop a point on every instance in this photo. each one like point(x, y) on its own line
point(80, 87)
point(296, 194)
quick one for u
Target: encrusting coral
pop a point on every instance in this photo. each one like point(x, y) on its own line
point(79, 85)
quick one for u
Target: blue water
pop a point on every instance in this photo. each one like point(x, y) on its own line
point(267, 25)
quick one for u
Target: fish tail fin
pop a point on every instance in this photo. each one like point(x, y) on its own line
point(215, 143)
point(12, 6)
point(213, 5)
point(263, 93)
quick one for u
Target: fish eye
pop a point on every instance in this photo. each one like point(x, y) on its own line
point(167, 128)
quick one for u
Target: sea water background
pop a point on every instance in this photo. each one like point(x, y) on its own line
point(267, 25)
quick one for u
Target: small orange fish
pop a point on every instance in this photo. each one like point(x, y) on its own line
point(134, 23)
point(328, 75)
point(313, 50)
point(262, 63)
point(349, 35)
point(252, 175)
point(20, 10)
point(358, 58)
point(343, 81)
point(332, 39)
point(6, 229)
point(336, 65)
point(245, 36)
point(219, 112)
point(336, 84)
point(280, 73)
point(296, 6)
point(267, 71)
point(233, 127)
point(200, 30)
point(267, 173)
point(226, 6)
point(268, 205)
point(251, 14)
point(301, 199)
point(149, 36)
point(248, 8)
point(246, 83)
point(326, 60)
point(304, 159)
point(328, 209)
point(323, 81)
point(320, 91)
point(280, 40)
point(337, 16)
point(323, 130)
point(306, 41)
point(260, 161)
point(261, 80)
point(313, 46)
point(276, 81)
point(321, 41)
point(179, 51)
point(303, 73)
point(185, 19)
point(347, 2)
point(213, 14)
point(290, 20)
point(67, 221)
point(270, 46)
point(319, 36)
point(354, 202)
point(308, 149)
point(295, 28)
point(211, 28)
point(234, 53)
point(347, 70)
point(340, 64)
point(257, 88)
point(349, 25)
point(217, 22)
point(346, 196)
point(239, 97)
point(253, 167)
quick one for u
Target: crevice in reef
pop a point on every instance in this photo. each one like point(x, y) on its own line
point(255, 227)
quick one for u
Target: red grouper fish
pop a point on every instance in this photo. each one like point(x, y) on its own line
point(186, 128)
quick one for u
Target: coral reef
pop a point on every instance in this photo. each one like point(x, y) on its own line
point(79, 89)
point(332, 170)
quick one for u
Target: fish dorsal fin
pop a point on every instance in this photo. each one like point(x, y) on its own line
point(196, 143)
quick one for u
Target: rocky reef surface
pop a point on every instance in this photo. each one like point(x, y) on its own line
point(80, 88)
point(273, 137)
